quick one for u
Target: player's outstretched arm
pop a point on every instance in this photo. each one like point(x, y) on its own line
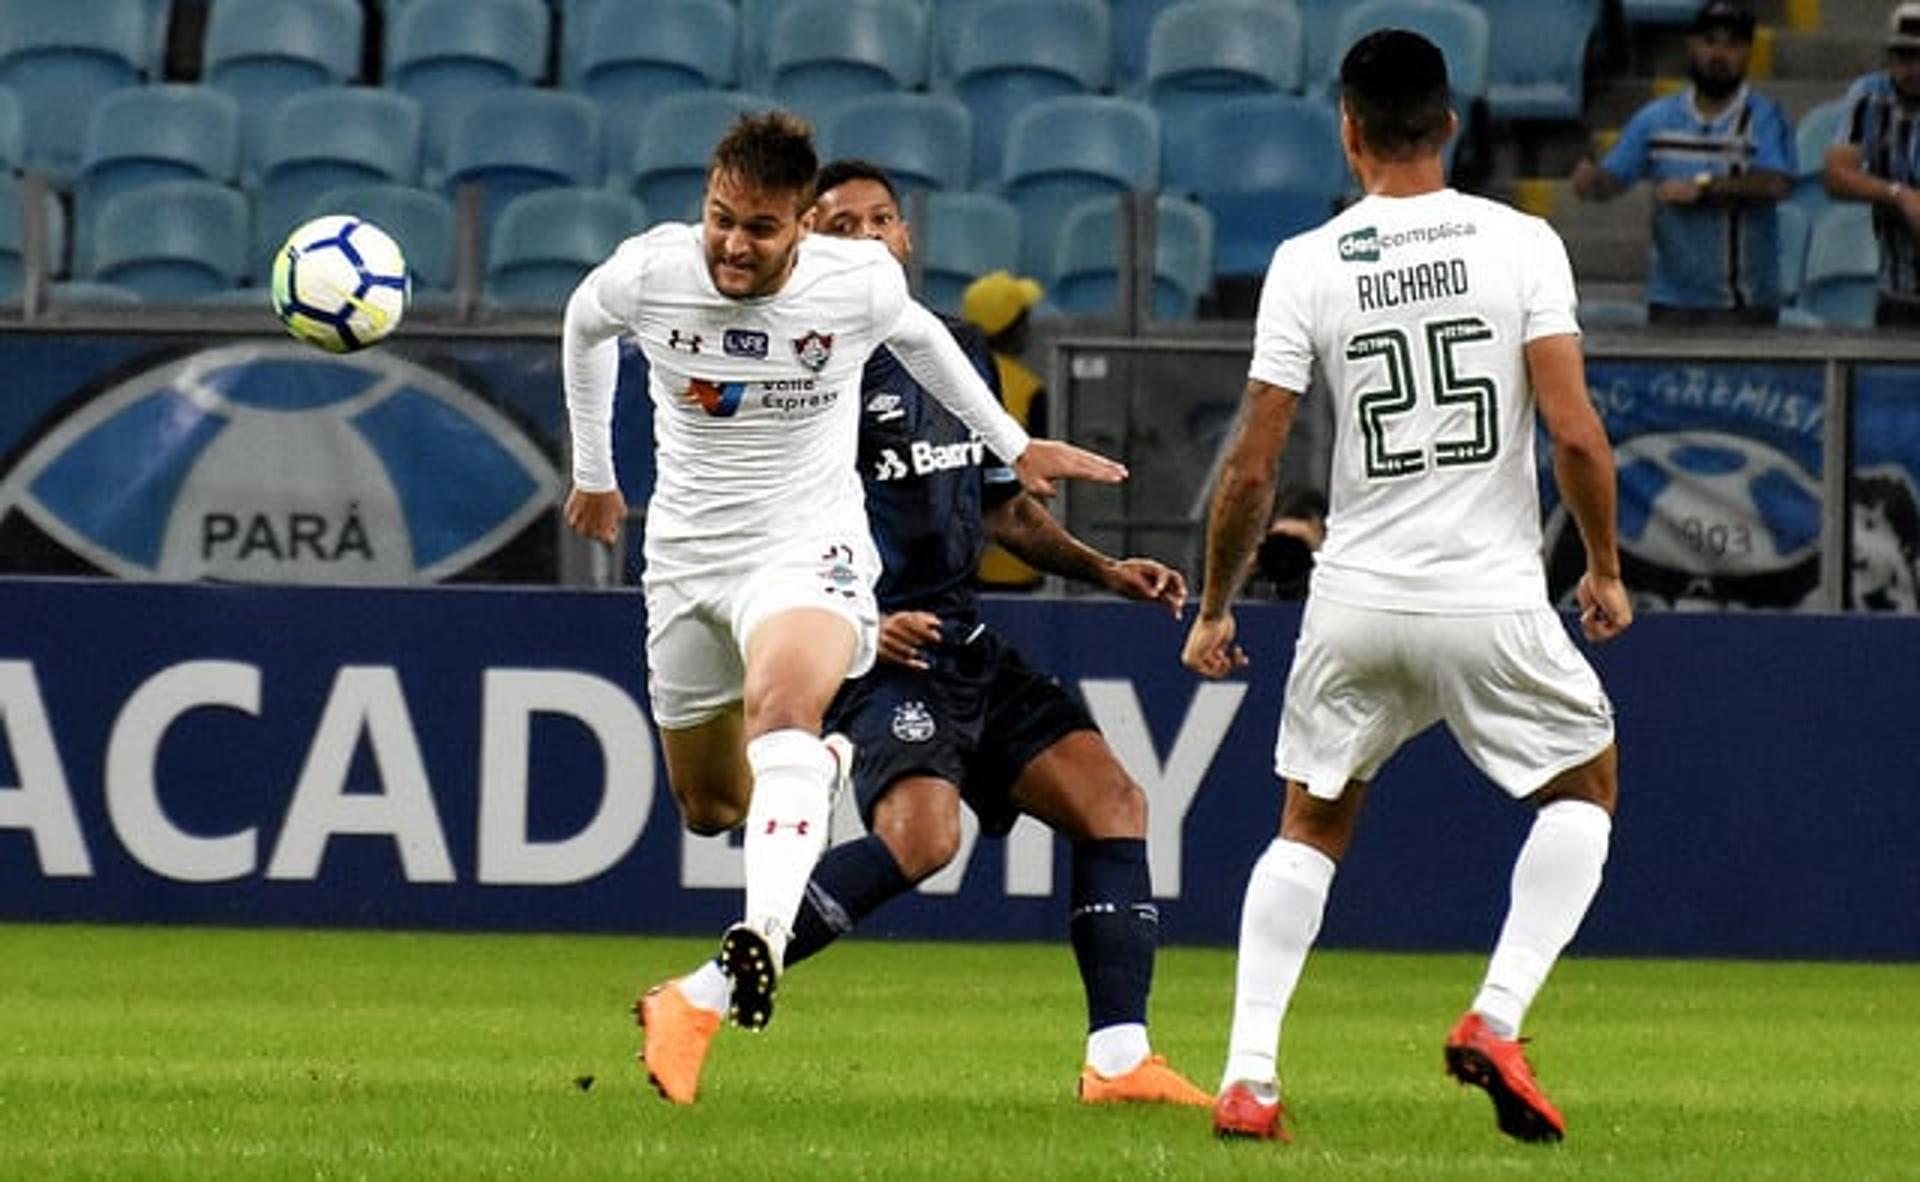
point(1024, 528)
point(1047, 460)
point(1583, 470)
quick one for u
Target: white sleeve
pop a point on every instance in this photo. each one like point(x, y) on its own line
point(1548, 282)
point(936, 361)
point(1282, 340)
point(589, 370)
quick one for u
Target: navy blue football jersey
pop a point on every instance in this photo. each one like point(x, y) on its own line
point(928, 481)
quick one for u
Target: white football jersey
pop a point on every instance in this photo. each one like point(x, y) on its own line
point(1416, 311)
point(756, 406)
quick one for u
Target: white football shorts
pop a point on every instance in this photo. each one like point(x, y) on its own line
point(701, 614)
point(1519, 698)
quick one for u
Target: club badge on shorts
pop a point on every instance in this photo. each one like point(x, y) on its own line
point(913, 722)
point(813, 350)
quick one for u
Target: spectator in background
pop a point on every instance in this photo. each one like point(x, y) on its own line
point(1285, 557)
point(1000, 305)
point(1873, 160)
point(1720, 158)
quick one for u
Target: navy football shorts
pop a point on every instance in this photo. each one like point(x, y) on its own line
point(975, 719)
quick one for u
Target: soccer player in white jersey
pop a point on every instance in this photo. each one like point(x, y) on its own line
point(1443, 326)
point(759, 567)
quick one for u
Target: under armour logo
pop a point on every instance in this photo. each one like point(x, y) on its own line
point(683, 342)
point(799, 827)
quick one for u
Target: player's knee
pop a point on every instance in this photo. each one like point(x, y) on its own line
point(1596, 781)
point(710, 818)
point(925, 851)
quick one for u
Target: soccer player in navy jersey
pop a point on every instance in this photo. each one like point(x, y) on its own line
point(952, 712)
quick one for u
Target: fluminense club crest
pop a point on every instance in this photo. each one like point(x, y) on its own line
point(814, 350)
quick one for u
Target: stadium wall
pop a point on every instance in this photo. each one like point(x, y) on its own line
point(480, 758)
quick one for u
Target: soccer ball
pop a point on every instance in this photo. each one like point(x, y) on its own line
point(340, 283)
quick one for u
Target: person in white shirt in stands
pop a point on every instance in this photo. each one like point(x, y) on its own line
point(759, 566)
point(1444, 327)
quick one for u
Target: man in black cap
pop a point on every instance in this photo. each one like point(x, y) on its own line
point(1875, 158)
point(1720, 158)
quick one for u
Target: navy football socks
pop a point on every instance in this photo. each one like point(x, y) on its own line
point(849, 883)
point(1114, 927)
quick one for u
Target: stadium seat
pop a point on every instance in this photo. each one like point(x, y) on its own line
point(669, 170)
point(1132, 28)
point(1266, 167)
point(13, 133)
point(1795, 227)
point(144, 134)
point(544, 243)
point(1843, 267)
point(172, 241)
point(60, 58)
point(1199, 53)
point(963, 236)
point(824, 52)
point(1666, 13)
point(159, 27)
point(448, 53)
point(262, 52)
point(1087, 262)
point(1812, 136)
point(924, 141)
point(13, 235)
point(516, 141)
point(1320, 30)
point(420, 220)
point(1061, 151)
point(627, 65)
point(1537, 60)
point(321, 139)
point(1008, 55)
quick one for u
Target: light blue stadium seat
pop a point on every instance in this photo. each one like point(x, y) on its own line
point(448, 53)
point(420, 220)
point(1008, 55)
point(159, 26)
point(1087, 262)
point(1795, 228)
point(963, 236)
point(1812, 136)
point(515, 141)
point(1061, 151)
point(627, 64)
point(1659, 12)
point(144, 134)
point(824, 52)
point(924, 141)
point(13, 238)
point(544, 243)
point(1132, 28)
point(669, 170)
point(1320, 29)
point(1536, 66)
point(262, 52)
point(321, 139)
point(172, 241)
point(1201, 52)
point(60, 58)
point(1266, 166)
point(13, 132)
point(1843, 267)
point(86, 293)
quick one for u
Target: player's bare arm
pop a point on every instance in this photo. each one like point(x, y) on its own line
point(1583, 470)
point(1237, 520)
point(1024, 528)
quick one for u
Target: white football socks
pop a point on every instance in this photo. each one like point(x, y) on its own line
point(1117, 1049)
point(1554, 881)
point(1286, 897)
point(708, 987)
point(786, 828)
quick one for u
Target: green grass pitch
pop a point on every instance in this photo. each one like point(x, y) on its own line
point(196, 1053)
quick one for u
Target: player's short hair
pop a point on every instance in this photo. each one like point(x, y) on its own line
point(835, 173)
point(769, 151)
point(1394, 84)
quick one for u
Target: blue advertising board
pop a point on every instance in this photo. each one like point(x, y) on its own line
point(482, 758)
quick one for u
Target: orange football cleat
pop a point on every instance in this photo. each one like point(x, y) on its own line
point(1152, 1082)
point(674, 1046)
point(1478, 1056)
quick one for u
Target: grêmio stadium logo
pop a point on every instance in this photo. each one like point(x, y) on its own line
point(274, 463)
point(1366, 245)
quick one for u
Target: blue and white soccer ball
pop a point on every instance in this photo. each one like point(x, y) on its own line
point(340, 283)
point(1715, 503)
